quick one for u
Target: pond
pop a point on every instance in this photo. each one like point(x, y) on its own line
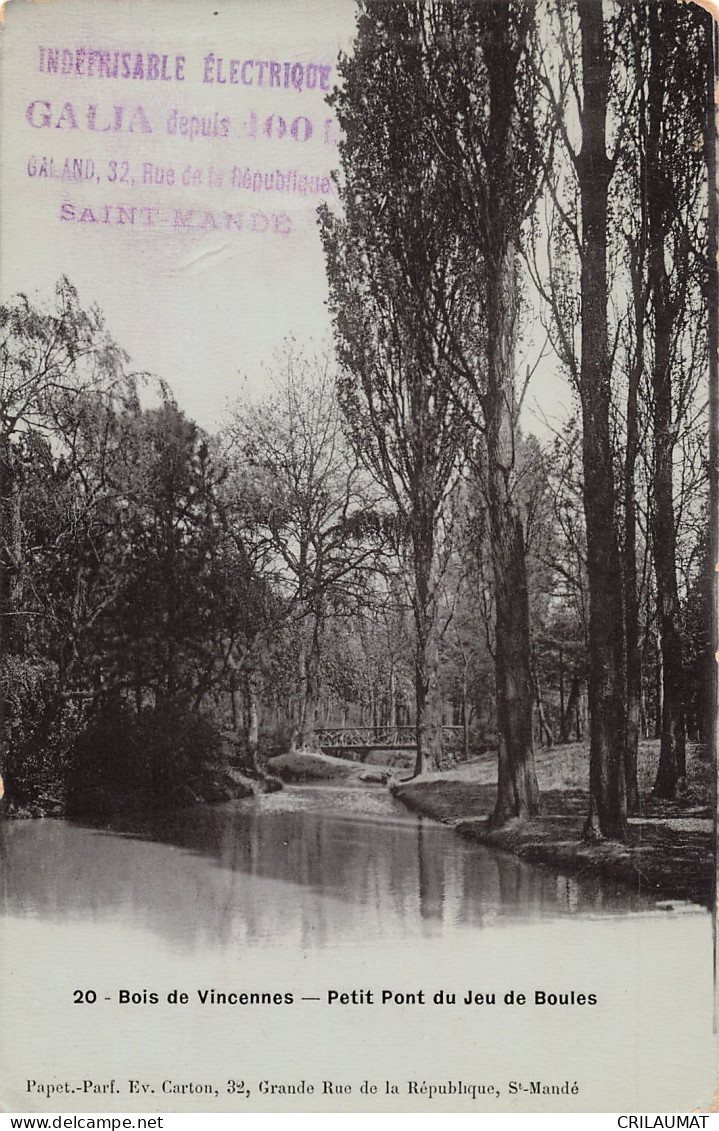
point(316, 896)
point(313, 865)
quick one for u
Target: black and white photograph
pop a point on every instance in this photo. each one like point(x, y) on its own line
point(358, 524)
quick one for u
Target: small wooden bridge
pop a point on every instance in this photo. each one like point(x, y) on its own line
point(359, 741)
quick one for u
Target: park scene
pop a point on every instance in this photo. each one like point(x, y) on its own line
point(451, 564)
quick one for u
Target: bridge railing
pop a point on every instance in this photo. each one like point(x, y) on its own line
point(378, 737)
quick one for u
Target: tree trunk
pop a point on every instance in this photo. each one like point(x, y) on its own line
point(7, 482)
point(638, 254)
point(11, 624)
point(250, 754)
point(517, 788)
point(643, 713)
point(709, 721)
point(545, 730)
point(252, 726)
point(672, 757)
point(581, 717)
point(562, 713)
point(631, 600)
point(234, 683)
point(253, 719)
point(428, 729)
point(633, 671)
point(235, 706)
point(465, 715)
point(658, 691)
point(305, 737)
point(607, 785)
point(572, 710)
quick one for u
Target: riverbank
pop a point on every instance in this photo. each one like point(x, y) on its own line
point(670, 852)
point(305, 766)
point(217, 785)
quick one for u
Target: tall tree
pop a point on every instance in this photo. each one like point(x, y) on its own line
point(631, 179)
point(607, 803)
point(710, 681)
point(448, 127)
point(48, 358)
point(308, 513)
point(621, 87)
point(483, 111)
point(574, 69)
point(391, 264)
point(675, 44)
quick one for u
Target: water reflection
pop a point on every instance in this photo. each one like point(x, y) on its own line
point(312, 866)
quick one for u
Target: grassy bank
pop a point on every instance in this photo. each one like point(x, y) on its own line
point(670, 853)
point(308, 766)
point(224, 784)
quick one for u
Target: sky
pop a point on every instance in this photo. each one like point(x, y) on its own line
point(200, 299)
point(169, 158)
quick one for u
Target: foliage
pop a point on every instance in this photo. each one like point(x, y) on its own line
point(369, 541)
point(162, 756)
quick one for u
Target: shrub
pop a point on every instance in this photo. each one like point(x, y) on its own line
point(163, 756)
point(41, 728)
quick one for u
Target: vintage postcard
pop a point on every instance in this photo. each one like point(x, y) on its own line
point(358, 708)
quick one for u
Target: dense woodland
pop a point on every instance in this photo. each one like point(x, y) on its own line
point(380, 537)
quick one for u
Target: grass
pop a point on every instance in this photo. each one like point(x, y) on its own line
point(670, 850)
point(306, 766)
